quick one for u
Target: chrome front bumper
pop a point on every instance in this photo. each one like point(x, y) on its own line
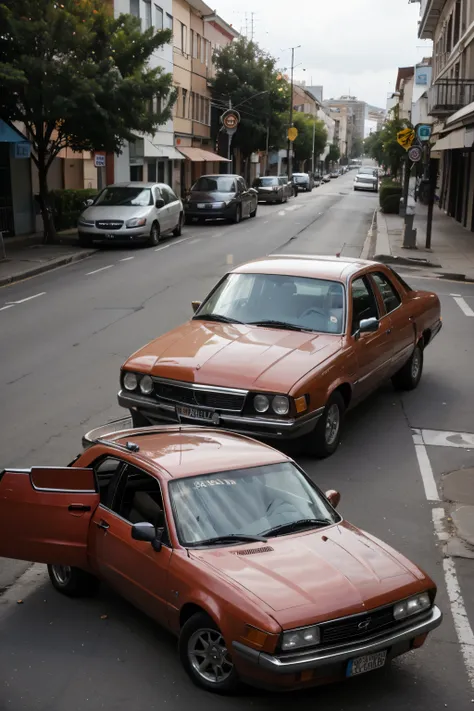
point(159, 412)
point(325, 657)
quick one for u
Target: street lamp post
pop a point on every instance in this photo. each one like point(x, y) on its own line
point(288, 149)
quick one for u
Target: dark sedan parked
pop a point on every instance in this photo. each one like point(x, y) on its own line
point(220, 197)
point(273, 188)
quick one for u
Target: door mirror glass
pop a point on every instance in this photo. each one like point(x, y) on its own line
point(333, 497)
point(369, 325)
point(195, 305)
point(148, 533)
point(159, 203)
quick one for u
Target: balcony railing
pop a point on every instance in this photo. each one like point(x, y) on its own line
point(447, 96)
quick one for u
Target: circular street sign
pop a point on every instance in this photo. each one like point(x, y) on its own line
point(230, 120)
point(292, 133)
point(414, 154)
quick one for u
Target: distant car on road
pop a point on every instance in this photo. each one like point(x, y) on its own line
point(334, 174)
point(282, 347)
point(220, 196)
point(130, 213)
point(317, 180)
point(304, 181)
point(367, 179)
point(229, 545)
point(273, 188)
point(326, 178)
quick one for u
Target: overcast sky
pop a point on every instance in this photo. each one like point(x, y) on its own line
point(347, 46)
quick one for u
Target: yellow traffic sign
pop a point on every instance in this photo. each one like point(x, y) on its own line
point(292, 133)
point(406, 137)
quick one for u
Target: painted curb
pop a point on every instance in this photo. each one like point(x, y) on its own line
point(49, 266)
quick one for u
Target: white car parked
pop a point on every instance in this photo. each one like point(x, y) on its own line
point(131, 212)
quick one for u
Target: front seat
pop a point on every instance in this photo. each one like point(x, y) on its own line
point(335, 311)
point(146, 509)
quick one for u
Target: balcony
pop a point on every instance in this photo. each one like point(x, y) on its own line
point(447, 96)
point(429, 13)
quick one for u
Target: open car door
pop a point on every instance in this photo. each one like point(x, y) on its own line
point(45, 514)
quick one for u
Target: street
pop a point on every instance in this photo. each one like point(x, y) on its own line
point(64, 336)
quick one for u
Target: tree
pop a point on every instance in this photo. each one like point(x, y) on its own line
point(303, 145)
point(334, 153)
point(383, 146)
point(247, 77)
point(78, 78)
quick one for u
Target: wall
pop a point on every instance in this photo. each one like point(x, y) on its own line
point(182, 64)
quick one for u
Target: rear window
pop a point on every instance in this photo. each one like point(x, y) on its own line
point(400, 279)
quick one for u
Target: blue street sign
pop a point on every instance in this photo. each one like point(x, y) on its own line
point(423, 132)
point(22, 149)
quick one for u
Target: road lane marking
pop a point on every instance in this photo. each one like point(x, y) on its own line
point(429, 484)
point(179, 240)
point(165, 246)
point(126, 259)
point(438, 516)
point(282, 213)
point(438, 438)
point(196, 239)
point(463, 305)
point(96, 271)
point(8, 306)
point(28, 298)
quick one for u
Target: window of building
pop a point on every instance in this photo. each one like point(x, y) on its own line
point(151, 171)
point(184, 38)
point(203, 50)
point(197, 48)
point(148, 18)
point(203, 110)
point(136, 173)
point(185, 96)
point(449, 34)
point(457, 22)
point(158, 17)
point(135, 8)
point(192, 39)
point(168, 21)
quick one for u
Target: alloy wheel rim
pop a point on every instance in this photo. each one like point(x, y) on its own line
point(209, 657)
point(415, 364)
point(61, 573)
point(333, 420)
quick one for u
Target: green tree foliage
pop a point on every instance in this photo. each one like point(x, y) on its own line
point(247, 76)
point(77, 77)
point(383, 147)
point(303, 145)
point(334, 153)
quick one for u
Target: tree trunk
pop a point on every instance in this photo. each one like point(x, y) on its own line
point(49, 230)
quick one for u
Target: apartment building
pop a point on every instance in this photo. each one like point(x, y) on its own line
point(358, 110)
point(450, 98)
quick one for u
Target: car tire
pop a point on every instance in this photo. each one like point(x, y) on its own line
point(254, 213)
point(85, 240)
point(323, 441)
point(178, 230)
point(154, 237)
point(409, 376)
point(238, 215)
point(195, 633)
point(72, 582)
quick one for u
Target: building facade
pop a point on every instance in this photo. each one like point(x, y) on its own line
point(359, 114)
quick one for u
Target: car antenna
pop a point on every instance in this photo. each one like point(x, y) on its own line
point(132, 447)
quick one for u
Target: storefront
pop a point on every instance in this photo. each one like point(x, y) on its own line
point(16, 199)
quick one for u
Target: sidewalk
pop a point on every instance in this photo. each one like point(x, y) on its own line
point(458, 490)
point(452, 252)
point(27, 256)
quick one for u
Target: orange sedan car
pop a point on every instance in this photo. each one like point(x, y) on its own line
point(282, 347)
point(227, 543)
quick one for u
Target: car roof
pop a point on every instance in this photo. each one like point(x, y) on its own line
point(137, 184)
point(185, 451)
point(305, 265)
point(219, 175)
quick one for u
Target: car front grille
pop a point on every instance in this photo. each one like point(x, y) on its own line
point(197, 397)
point(358, 626)
point(109, 224)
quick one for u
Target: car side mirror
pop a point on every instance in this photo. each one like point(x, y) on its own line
point(333, 497)
point(195, 305)
point(159, 203)
point(89, 202)
point(147, 532)
point(369, 325)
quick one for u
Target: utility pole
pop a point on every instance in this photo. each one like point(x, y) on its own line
point(251, 25)
point(229, 144)
point(288, 149)
point(314, 138)
point(267, 147)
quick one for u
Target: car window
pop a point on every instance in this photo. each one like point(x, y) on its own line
point(390, 296)
point(212, 184)
point(364, 304)
point(246, 501)
point(107, 472)
point(125, 197)
point(242, 184)
point(159, 195)
point(166, 193)
point(266, 182)
point(138, 498)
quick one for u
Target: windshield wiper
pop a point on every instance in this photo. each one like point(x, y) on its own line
point(232, 538)
point(216, 317)
point(295, 525)
point(278, 324)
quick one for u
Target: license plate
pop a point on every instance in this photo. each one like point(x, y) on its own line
point(367, 663)
point(194, 413)
point(109, 236)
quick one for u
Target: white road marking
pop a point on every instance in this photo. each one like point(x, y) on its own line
point(463, 305)
point(126, 259)
point(431, 491)
point(28, 298)
point(196, 239)
point(96, 271)
point(438, 516)
point(165, 246)
point(437, 438)
point(179, 240)
point(282, 213)
point(8, 306)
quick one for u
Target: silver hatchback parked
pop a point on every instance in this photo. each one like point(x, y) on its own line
point(131, 212)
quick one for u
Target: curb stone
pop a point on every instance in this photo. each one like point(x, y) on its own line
point(35, 271)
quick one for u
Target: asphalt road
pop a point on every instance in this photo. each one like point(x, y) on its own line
point(60, 357)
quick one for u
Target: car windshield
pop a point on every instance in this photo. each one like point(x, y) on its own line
point(299, 303)
point(215, 184)
point(266, 182)
point(367, 171)
point(126, 197)
point(247, 502)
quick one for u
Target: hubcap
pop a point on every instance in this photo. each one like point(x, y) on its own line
point(61, 573)
point(415, 364)
point(333, 420)
point(209, 657)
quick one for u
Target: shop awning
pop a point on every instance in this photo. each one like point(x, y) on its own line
point(10, 135)
point(454, 140)
point(199, 155)
point(168, 152)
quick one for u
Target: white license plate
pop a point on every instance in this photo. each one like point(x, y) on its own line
point(194, 413)
point(367, 663)
point(109, 236)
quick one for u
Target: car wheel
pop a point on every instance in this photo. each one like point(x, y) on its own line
point(72, 582)
point(238, 214)
point(178, 230)
point(85, 241)
point(409, 376)
point(205, 657)
point(324, 439)
point(254, 213)
point(154, 235)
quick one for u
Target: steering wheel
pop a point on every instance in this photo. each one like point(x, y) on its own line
point(313, 310)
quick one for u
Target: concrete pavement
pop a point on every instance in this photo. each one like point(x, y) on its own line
point(60, 354)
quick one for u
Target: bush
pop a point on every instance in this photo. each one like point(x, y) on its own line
point(390, 193)
point(68, 205)
point(391, 204)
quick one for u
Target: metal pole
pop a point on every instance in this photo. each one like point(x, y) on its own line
point(288, 149)
point(431, 199)
point(314, 138)
point(229, 144)
point(406, 184)
point(266, 148)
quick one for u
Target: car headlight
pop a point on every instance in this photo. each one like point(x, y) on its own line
point(280, 405)
point(146, 385)
point(412, 606)
point(85, 223)
point(305, 637)
point(219, 205)
point(261, 403)
point(136, 222)
point(130, 381)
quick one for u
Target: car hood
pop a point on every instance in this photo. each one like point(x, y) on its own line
point(112, 212)
point(234, 355)
point(197, 196)
point(323, 574)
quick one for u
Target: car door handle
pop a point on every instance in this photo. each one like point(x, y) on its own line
point(389, 330)
point(102, 524)
point(78, 507)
